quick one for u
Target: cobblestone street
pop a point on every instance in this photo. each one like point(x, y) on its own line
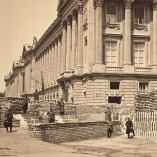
point(19, 143)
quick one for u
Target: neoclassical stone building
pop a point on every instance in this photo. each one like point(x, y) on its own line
point(96, 52)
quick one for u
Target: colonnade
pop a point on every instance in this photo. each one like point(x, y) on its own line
point(61, 55)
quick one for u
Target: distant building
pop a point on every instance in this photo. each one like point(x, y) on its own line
point(96, 52)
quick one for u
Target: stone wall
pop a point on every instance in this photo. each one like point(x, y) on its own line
point(58, 133)
point(146, 102)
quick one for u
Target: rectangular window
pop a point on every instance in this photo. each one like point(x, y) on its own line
point(114, 99)
point(139, 54)
point(114, 85)
point(143, 86)
point(139, 15)
point(111, 53)
point(111, 14)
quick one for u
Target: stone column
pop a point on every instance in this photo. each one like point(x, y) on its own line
point(56, 61)
point(68, 54)
point(39, 63)
point(42, 67)
point(44, 71)
point(49, 64)
point(98, 31)
point(80, 37)
point(127, 33)
point(63, 54)
point(74, 29)
point(32, 77)
point(59, 56)
point(53, 62)
point(155, 33)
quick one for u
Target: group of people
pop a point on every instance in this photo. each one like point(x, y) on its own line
point(109, 123)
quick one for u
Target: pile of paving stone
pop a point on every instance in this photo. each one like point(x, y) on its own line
point(39, 109)
point(146, 102)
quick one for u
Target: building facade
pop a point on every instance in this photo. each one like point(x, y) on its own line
point(96, 52)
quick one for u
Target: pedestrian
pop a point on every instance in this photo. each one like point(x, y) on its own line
point(61, 106)
point(129, 128)
point(8, 120)
point(109, 128)
point(52, 116)
point(36, 95)
point(25, 104)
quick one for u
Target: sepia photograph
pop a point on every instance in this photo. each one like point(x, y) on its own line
point(78, 78)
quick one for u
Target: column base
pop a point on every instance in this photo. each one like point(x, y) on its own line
point(129, 69)
point(98, 68)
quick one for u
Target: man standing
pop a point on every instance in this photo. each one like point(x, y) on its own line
point(129, 127)
point(25, 104)
point(36, 95)
point(109, 127)
point(8, 119)
point(61, 105)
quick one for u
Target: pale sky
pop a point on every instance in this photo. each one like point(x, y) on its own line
point(20, 21)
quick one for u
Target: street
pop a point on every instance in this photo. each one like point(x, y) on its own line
point(19, 143)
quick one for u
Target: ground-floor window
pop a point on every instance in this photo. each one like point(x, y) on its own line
point(143, 86)
point(114, 99)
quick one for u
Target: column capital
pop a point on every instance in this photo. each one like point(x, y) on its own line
point(128, 3)
point(69, 20)
point(56, 41)
point(80, 7)
point(63, 24)
point(154, 4)
point(74, 15)
point(59, 38)
point(98, 3)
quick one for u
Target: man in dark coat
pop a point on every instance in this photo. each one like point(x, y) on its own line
point(36, 95)
point(8, 120)
point(25, 104)
point(61, 105)
point(109, 127)
point(129, 127)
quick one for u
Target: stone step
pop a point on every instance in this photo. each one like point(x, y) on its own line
point(65, 118)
